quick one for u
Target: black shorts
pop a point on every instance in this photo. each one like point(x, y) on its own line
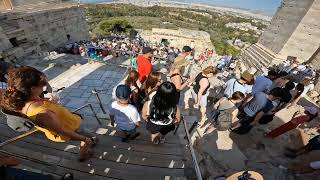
point(162, 129)
point(313, 144)
point(244, 118)
point(266, 119)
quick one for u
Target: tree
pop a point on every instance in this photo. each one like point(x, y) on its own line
point(115, 26)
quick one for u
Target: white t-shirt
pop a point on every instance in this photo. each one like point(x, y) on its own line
point(233, 86)
point(308, 88)
point(125, 117)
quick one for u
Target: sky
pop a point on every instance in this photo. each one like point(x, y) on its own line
point(265, 7)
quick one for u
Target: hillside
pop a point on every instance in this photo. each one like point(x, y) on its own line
point(245, 29)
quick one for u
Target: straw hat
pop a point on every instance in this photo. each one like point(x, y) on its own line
point(254, 175)
point(247, 76)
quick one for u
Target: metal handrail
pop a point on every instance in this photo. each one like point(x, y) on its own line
point(194, 158)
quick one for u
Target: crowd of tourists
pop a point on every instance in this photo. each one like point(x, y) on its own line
point(153, 97)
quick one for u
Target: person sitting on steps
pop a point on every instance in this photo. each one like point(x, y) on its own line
point(125, 115)
point(25, 85)
point(162, 112)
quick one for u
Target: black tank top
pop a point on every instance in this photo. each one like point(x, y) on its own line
point(197, 80)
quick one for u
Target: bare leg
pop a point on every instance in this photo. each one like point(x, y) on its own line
point(187, 96)
point(203, 111)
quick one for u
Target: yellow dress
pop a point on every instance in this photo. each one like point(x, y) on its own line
point(68, 120)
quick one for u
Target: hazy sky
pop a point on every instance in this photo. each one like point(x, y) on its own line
point(266, 7)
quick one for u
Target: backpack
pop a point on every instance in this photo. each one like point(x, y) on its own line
point(16, 122)
point(224, 120)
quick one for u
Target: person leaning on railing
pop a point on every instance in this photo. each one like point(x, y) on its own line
point(25, 85)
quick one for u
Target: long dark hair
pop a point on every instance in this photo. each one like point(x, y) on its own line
point(164, 101)
point(300, 89)
point(132, 79)
point(20, 82)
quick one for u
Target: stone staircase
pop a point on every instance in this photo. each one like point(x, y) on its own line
point(258, 57)
point(139, 159)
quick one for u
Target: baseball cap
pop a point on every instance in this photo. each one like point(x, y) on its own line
point(123, 92)
point(247, 76)
point(147, 50)
point(186, 49)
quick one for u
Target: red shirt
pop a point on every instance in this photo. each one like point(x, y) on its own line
point(144, 68)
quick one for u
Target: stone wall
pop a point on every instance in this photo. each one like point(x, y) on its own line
point(284, 23)
point(23, 33)
point(305, 40)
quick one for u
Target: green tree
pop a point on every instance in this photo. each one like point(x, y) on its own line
point(115, 26)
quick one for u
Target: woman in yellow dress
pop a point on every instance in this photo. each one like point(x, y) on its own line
point(25, 85)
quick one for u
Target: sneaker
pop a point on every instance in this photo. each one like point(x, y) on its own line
point(125, 139)
point(162, 139)
point(134, 136)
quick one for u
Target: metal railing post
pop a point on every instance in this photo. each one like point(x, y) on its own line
point(194, 158)
point(92, 109)
point(95, 92)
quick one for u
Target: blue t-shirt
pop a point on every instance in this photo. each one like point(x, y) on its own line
point(262, 84)
point(260, 102)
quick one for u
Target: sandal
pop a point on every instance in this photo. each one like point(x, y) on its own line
point(94, 140)
point(85, 152)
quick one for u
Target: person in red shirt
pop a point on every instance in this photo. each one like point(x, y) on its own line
point(299, 118)
point(144, 63)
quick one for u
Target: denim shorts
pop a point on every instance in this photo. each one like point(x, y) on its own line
point(203, 99)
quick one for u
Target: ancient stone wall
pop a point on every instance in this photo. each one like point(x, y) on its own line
point(199, 40)
point(41, 30)
point(305, 40)
point(284, 23)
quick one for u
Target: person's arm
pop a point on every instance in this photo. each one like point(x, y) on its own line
point(49, 120)
point(257, 118)
point(204, 83)
point(234, 114)
point(136, 118)
point(145, 111)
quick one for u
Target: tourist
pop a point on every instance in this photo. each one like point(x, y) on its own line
point(298, 118)
point(124, 114)
point(178, 67)
point(149, 89)
point(279, 104)
point(144, 63)
point(313, 144)
point(133, 83)
point(308, 86)
point(296, 94)
point(227, 111)
point(281, 80)
point(162, 112)
point(257, 107)
point(25, 85)
point(200, 91)
point(241, 85)
point(152, 83)
point(264, 83)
